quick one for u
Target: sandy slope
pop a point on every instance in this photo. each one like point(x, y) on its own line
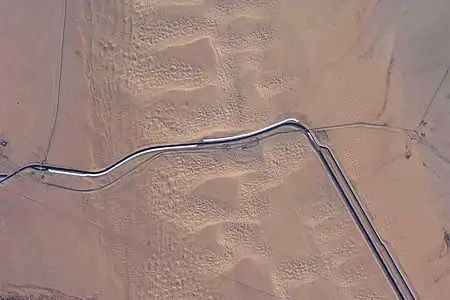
point(213, 227)
point(242, 224)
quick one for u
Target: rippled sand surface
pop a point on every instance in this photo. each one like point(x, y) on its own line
point(263, 222)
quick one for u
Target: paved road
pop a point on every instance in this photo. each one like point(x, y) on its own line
point(379, 249)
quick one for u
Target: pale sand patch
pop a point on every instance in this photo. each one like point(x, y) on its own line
point(209, 215)
point(171, 72)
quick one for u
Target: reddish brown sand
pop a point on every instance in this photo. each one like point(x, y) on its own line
point(259, 223)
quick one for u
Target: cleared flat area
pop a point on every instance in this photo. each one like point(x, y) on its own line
point(29, 58)
point(245, 224)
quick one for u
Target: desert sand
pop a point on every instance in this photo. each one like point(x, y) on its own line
point(258, 223)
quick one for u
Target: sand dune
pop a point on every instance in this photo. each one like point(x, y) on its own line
point(258, 222)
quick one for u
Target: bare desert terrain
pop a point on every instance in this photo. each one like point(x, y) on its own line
point(86, 82)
